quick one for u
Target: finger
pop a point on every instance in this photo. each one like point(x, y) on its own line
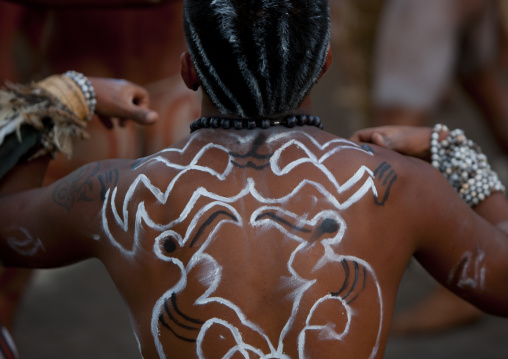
point(143, 116)
point(381, 140)
point(122, 122)
point(106, 121)
point(141, 97)
point(362, 136)
point(355, 137)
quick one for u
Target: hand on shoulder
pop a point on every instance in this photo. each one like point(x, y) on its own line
point(407, 140)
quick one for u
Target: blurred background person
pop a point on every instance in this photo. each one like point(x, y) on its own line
point(137, 40)
point(344, 102)
point(403, 61)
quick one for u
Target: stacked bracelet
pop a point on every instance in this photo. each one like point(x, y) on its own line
point(68, 93)
point(464, 165)
point(86, 87)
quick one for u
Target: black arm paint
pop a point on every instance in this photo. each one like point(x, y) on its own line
point(76, 187)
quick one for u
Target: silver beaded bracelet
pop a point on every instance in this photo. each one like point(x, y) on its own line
point(464, 165)
point(86, 87)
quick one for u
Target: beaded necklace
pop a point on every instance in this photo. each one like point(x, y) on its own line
point(250, 124)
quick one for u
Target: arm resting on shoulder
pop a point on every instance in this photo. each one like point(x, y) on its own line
point(465, 248)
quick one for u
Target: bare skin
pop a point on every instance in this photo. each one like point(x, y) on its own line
point(121, 100)
point(266, 241)
point(142, 45)
point(116, 99)
point(444, 42)
point(137, 40)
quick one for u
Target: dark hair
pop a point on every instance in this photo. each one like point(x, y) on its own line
point(257, 58)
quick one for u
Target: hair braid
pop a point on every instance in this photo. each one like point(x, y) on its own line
point(257, 58)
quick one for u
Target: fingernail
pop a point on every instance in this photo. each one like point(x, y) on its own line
point(152, 116)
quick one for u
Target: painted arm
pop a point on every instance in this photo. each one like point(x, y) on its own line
point(59, 224)
point(54, 234)
point(464, 248)
point(91, 3)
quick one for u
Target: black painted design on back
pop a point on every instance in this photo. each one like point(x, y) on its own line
point(386, 177)
point(253, 156)
point(208, 222)
point(350, 289)
point(179, 321)
point(328, 226)
point(281, 220)
point(345, 266)
point(169, 245)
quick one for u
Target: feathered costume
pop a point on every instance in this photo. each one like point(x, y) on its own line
point(39, 119)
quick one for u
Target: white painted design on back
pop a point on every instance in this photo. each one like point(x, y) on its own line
point(208, 208)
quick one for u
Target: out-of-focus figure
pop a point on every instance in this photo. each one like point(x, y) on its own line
point(142, 45)
point(107, 38)
point(400, 59)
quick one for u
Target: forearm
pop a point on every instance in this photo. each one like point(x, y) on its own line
point(416, 142)
point(51, 226)
point(495, 211)
point(91, 3)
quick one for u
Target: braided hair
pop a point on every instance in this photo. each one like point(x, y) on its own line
point(257, 58)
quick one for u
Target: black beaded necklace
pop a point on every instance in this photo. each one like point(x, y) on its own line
point(239, 124)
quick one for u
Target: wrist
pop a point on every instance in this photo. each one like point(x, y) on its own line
point(463, 164)
point(87, 90)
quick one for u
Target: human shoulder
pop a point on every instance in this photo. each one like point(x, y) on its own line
point(409, 187)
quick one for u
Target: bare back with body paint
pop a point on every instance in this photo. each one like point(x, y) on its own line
point(251, 236)
point(262, 243)
point(272, 243)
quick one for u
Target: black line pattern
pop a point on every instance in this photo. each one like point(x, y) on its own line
point(76, 187)
point(194, 326)
point(357, 274)
point(208, 222)
point(253, 156)
point(328, 226)
point(386, 176)
point(281, 220)
point(368, 148)
point(108, 180)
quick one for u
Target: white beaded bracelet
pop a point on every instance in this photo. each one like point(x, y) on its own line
point(86, 87)
point(464, 165)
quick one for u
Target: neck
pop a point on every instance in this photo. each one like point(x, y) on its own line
point(212, 118)
point(208, 109)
